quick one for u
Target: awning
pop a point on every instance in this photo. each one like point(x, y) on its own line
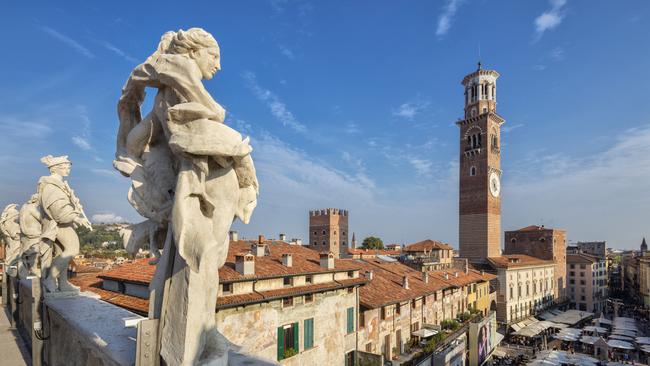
point(499, 353)
point(621, 337)
point(571, 317)
point(643, 340)
point(424, 333)
point(588, 339)
point(627, 333)
point(591, 328)
point(614, 343)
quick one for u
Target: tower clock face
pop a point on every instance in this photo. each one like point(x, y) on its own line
point(495, 184)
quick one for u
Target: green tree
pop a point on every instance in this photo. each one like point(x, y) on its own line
point(372, 242)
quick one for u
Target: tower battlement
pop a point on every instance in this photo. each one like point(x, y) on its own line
point(329, 212)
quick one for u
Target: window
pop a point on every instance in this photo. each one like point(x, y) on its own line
point(582, 274)
point(288, 281)
point(227, 288)
point(324, 232)
point(573, 266)
point(572, 282)
point(350, 290)
point(582, 282)
point(309, 279)
point(350, 274)
point(309, 333)
point(398, 308)
point(582, 266)
point(287, 302)
point(472, 171)
point(413, 304)
point(287, 341)
point(383, 313)
point(309, 298)
point(350, 320)
point(362, 318)
point(369, 347)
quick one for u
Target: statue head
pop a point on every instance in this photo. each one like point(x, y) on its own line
point(199, 45)
point(57, 164)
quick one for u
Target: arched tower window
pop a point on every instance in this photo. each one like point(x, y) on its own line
point(472, 171)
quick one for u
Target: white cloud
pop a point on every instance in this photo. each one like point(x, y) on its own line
point(447, 16)
point(509, 128)
point(539, 67)
point(550, 19)
point(23, 129)
point(81, 142)
point(352, 128)
point(278, 109)
point(68, 41)
point(423, 167)
point(286, 52)
point(109, 173)
point(106, 218)
point(118, 51)
point(409, 110)
point(602, 196)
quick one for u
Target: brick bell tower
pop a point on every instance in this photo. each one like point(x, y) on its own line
point(479, 229)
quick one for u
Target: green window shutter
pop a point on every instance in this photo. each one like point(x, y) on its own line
point(280, 343)
point(309, 333)
point(350, 320)
point(296, 344)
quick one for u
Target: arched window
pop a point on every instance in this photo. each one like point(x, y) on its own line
point(513, 240)
point(472, 171)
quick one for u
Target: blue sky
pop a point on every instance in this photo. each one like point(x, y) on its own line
point(351, 104)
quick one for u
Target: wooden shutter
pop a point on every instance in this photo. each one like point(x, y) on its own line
point(309, 333)
point(296, 339)
point(350, 320)
point(280, 343)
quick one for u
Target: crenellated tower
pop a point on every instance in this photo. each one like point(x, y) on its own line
point(328, 231)
point(479, 234)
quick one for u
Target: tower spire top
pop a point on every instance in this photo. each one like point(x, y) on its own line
point(479, 65)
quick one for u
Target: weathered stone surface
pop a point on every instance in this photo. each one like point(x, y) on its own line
point(191, 176)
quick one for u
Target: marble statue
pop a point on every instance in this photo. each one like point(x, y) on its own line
point(62, 212)
point(10, 229)
point(36, 239)
point(191, 177)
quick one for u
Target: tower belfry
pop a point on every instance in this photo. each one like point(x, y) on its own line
point(479, 226)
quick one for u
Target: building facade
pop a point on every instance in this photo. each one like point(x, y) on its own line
point(525, 286)
point(595, 248)
point(544, 243)
point(587, 282)
point(328, 230)
point(480, 169)
point(428, 255)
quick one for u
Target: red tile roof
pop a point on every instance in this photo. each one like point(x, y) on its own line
point(360, 251)
point(304, 261)
point(427, 245)
point(581, 258)
point(516, 260)
point(386, 287)
point(91, 282)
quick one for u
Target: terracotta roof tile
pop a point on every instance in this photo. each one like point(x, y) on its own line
point(427, 245)
point(386, 287)
point(91, 282)
point(516, 260)
point(374, 251)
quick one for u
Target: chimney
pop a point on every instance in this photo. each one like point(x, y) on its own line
point(245, 264)
point(482, 273)
point(234, 236)
point(446, 276)
point(425, 277)
point(283, 237)
point(327, 260)
point(405, 282)
point(260, 250)
point(287, 259)
point(369, 274)
point(260, 239)
point(296, 241)
point(456, 274)
point(466, 266)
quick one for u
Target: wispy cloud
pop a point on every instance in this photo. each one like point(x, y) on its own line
point(557, 54)
point(286, 52)
point(68, 41)
point(82, 139)
point(589, 189)
point(81, 142)
point(409, 110)
point(447, 16)
point(17, 128)
point(278, 109)
point(423, 167)
point(118, 51)
point(352, 128)
point(107, 218)
point(550, 19)
point(509, 128)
